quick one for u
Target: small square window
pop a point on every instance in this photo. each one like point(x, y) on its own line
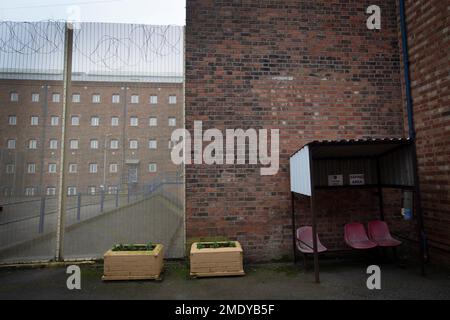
point(34, 120)
point(172, 122)
point(73, 168)
point(35, 97)
point(134, 121)
point(30, 191)
point(11, 144)
point(56, 98)
point(14, 96)
point(10, 168)
point(152, 167)
point(133, 144)
point(71, 191)
point(32, 144)
point(76, 98)
point(74, 144)
point(52, 168)
point(152, 121)
point(75, 120)
point(115, 98)
point(172, 99)
point(54, 120)
point(112, 189)
point(135, 98)
point(94, 144)
point(152, 144)
point(12, 120)
point(53, 144)
point(51, 191)
point(153, 99)
point(114, 121)
point(114, 144)
point(113, 168)
point(31, 168)
point(95, 121)
point(93, 167)
point(96, 98)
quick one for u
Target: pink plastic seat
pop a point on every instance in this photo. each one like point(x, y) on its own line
point(305, 241)
point(356, 237)
point(379, 233)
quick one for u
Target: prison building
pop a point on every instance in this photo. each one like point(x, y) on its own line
point(118, 136)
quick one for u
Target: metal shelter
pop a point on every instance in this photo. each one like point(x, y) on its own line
point(365, 163)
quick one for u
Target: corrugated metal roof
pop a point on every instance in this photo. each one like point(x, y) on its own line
point(346, 148)
point(390, 157)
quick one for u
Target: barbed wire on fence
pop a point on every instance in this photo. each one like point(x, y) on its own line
point(113, 46)
point(31, 37)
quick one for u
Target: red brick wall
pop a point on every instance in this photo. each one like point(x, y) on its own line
point(429, 47)
point(342, 81)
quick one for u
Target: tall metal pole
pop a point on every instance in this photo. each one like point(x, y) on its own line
point(62, 196)
point(412, 136)
point(124, 138)
point(42, 159)
point(314, 219)
point(294, 229)
point(104, 159)
point(104, 164)
point(380, 191)
point(43, 138)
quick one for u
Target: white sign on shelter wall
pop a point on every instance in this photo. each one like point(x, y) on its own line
point(356, 179)
point(336, 180)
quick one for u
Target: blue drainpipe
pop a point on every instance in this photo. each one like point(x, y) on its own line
point(412, 136)
point(409, 103)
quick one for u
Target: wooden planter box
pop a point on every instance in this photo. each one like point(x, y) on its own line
point(133, 265)
point(213, 262)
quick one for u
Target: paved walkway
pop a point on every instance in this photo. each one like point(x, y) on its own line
point(20, 222)
point(154, 219)
point(340, 280)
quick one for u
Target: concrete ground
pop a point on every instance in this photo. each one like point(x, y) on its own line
point(19, 221)
point(339, 280)
point(155, 218)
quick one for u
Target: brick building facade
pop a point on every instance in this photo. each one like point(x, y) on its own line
point(315, 71)
point(429, 47)
point(119, 135)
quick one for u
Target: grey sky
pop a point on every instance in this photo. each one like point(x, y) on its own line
point(156, 12)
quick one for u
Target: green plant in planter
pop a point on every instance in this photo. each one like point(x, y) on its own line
point(216, 245)
point(118, 247)
point(134, 247)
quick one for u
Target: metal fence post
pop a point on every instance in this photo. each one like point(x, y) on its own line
point(128, 195)
point(117, 197)
point(102, 200)
point(79, 207)
point(42, 215)
point(62, 183)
